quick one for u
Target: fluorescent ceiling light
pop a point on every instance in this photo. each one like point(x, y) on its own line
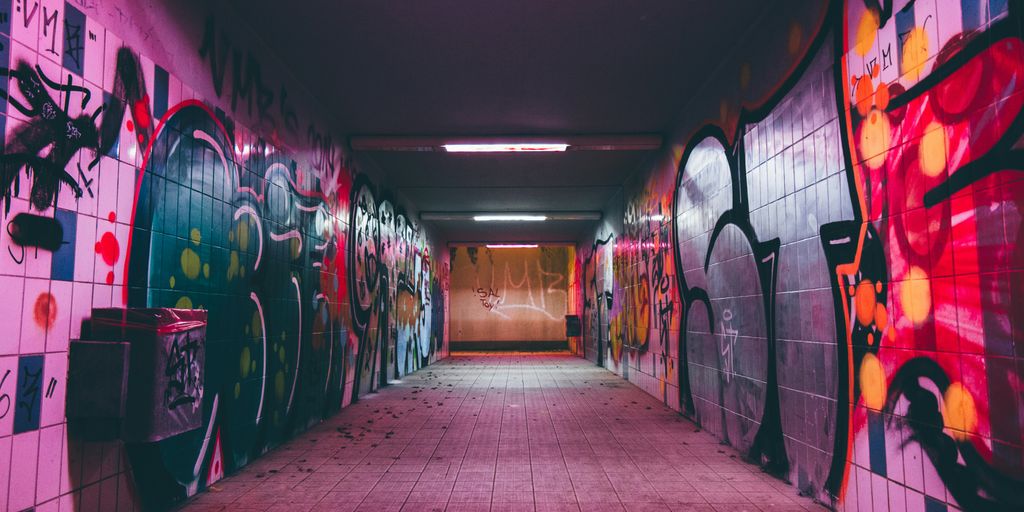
point(509, 218)
point(505, 148)
point(511, 246)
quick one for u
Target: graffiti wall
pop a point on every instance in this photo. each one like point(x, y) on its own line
point(509, 294)
point(837, 223)
point(187, 173)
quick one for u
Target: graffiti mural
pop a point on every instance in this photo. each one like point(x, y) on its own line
point(122, 185)
point(394, 291)
point(926, 279)
point(844, 249)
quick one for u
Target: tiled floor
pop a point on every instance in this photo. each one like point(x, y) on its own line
point(504, 432)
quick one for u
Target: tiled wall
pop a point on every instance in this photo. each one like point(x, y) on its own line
point(165, 182)
point(841, 244)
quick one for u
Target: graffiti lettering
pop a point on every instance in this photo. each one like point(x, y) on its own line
point(184, 383)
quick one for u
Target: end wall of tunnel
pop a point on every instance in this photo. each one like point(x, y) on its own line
point(182, 166)
point(823, 267)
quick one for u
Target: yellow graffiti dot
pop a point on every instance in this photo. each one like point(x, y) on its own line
point(183, 303)
point(875, 137)
point(171, 280)
point(915, 53)
point(190, 263)
point(872, 382)
point(252, 366)
point(961, 414)
point(279, 385)
point(867, 29)
point(933, 150)
point(206, 270)
point(243, 362)
point(256, 325)
point(238, 389)
point(744, 75)
point(796, 36)
point(865, 302)
point(916, 295)
point(233, 265)
point(195, 236)
point(280, 354)
point(296, 245)
point(243, 235)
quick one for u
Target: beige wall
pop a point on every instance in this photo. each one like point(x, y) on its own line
point(509, 294)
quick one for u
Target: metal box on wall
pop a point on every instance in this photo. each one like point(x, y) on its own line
point(166, 372)
point(572, 326)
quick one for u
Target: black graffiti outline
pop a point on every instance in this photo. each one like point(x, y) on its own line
point(30, 381)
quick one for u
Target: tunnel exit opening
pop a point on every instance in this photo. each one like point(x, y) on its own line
point(512, 296)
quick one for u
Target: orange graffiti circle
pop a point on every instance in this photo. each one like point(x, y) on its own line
point(862, 93)
point(45, 310)
point(881, 316)
point(882, 96)
point(865, 301)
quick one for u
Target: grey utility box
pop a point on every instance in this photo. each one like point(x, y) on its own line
point(166, 370)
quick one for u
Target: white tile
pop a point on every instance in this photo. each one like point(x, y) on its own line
point(58, 334)
point(55, 374)
point(51, 446)
point(36, 316)
point(24, 454)
point(10, 311)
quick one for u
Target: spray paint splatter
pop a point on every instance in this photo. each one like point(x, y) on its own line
point(45, 310)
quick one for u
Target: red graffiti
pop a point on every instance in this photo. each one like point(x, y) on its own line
point(140, 112)
point(45, 310)
point(109, 248)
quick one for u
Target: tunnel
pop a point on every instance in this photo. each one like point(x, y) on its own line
point(460, 255)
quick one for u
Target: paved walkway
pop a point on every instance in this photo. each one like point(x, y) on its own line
point(503, 432)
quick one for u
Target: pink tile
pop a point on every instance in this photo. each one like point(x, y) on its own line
point(51, 30)
point(25, 22)
point(111, 44)
point(48, 475)
point(24, 454)
point(95, 36)
point(126, 184)
point(85, 248)
point(10, 309)
point(5, 466)
point(60, 331)
point(36, 314)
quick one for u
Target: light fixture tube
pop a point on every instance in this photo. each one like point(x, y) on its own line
point(510, 218)
point(538, 147)
point(512, 246)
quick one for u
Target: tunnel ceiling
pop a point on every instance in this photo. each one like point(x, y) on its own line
point(533, 67)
